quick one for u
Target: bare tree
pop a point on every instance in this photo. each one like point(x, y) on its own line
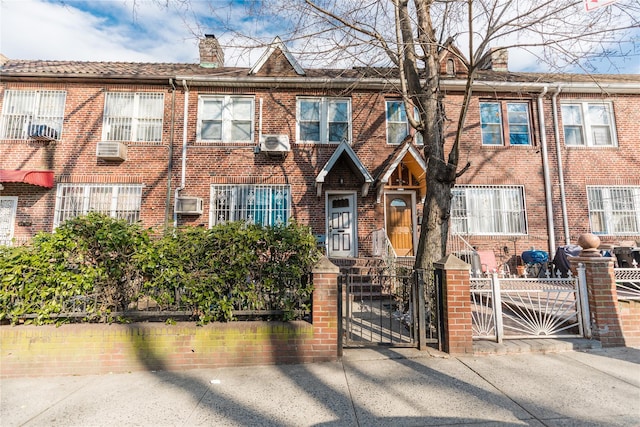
point(411, 36)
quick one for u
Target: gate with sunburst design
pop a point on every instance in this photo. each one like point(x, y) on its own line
point(516, 308)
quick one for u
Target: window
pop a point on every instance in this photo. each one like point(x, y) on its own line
point(25, 111)
point(8, 206)
point(614, 210)
point(398, 126)
point(324, 120)
point(225, 118)
point(118, 201)
point(133, 116)
point(588, 124)
point(488, 210)
point(516, 128)
point(258, 204)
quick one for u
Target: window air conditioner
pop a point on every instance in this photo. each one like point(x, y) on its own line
point(189, 205)
point(111, 150)
point(278, 144)
point(42, 133)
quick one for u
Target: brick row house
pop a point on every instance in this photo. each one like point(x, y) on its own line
point(552, 156)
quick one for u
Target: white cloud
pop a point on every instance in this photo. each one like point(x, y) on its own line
point(35, 29)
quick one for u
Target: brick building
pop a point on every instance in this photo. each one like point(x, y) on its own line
point(552, 156)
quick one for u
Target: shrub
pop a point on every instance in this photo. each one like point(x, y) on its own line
point(98, 265)
point(86, 256)
point(233, 266)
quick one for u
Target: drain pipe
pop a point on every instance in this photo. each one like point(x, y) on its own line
point(183, 177)
point(563, 196)
point(167, 203)
point(547, 176)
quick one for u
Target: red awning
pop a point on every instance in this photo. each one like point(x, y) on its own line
point(39, 178)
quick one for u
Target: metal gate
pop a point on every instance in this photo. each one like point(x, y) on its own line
point(387, 306)
point(514, 308)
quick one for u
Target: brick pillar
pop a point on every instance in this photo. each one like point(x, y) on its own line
point(325, 309)
point(456, 296)
point(603, 299)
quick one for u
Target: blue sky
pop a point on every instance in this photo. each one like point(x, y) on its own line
point(111, 30)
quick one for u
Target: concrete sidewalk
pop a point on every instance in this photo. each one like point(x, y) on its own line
point(381, 387)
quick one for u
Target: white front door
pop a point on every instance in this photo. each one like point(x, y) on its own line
point(8, 207)
point(341, 223)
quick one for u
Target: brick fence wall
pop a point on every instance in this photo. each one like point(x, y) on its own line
point(80, 349)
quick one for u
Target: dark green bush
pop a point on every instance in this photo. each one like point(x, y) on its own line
point(88, 259)
point(233, 266)
point(98, 265)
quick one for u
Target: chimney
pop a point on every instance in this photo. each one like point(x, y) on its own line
point(499, 60)
point(211, 54)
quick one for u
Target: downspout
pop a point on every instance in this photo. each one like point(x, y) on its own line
point(183, 177)
point(547, 176)
point(167, 204)
point(563, 197)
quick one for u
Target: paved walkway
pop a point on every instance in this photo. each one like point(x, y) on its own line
point(381, 387)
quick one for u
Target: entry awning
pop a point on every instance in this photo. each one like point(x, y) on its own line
point(354, 162)
point(411, 158)
point(41, 178)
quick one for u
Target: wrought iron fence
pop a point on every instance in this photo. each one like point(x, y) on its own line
point(528, 307)
point(249, 301)
point(628, 283)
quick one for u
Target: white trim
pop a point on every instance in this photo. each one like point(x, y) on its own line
point(323, 120)
point(277, 43)
point(12, 218)
point(586, 125)
point(354, 223)
point(344, 147)
point(226, 118)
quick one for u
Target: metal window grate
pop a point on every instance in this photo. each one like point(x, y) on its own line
point(256, 204)
point(488, 210)
point(119, 201)
point(133, 116)
point(614, 210)
point(24, 111)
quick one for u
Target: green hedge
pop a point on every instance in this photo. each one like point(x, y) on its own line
point(98, 265)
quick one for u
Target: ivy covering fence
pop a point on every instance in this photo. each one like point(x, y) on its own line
point(97, 268)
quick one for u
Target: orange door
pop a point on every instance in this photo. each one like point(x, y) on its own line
point(400, 223)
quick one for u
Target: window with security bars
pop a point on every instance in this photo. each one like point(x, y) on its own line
point(32, 112)
point(133, 116)
point(488, 210)
point(614, 210)
point(588, 124)
point(116, 200)
point(324, 120)
point(269, 205)
point(225, 118)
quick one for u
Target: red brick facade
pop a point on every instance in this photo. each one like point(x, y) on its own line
point(276, 87)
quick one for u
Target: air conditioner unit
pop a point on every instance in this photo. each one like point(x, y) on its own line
point(275, 144)
point(111, 150)
point(189, 205)
point(42, 133)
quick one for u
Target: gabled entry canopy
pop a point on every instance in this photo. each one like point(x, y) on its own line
point(344, 149)
point(410, 157)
